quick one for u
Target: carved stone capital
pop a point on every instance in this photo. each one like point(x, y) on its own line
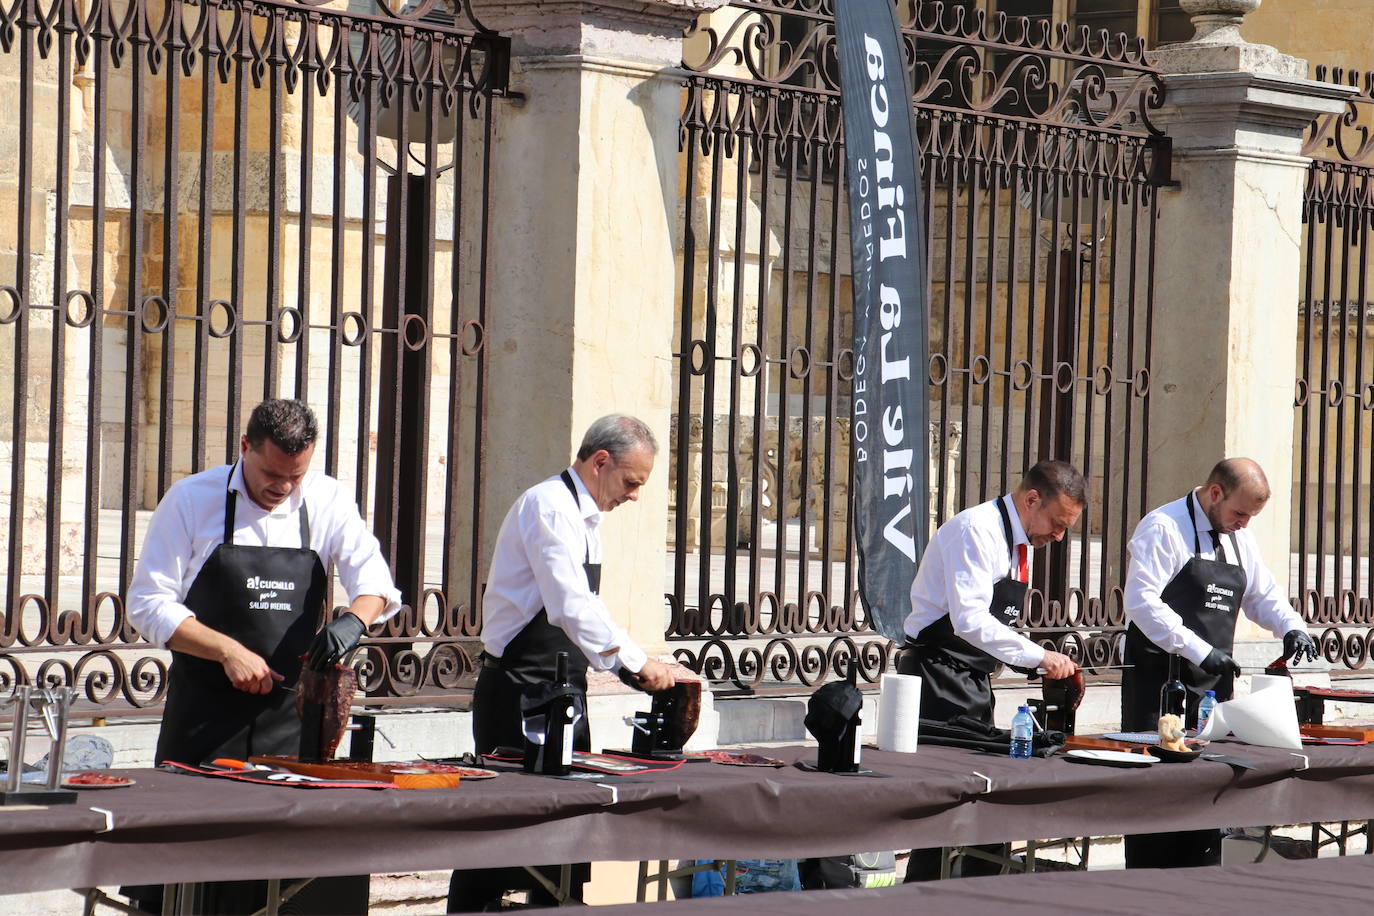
point(644, 30)
point(1218, 20)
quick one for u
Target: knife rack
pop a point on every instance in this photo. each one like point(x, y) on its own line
point(45, 706)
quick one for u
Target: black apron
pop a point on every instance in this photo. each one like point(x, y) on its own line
point(269, 599)
point(1206, 595)
point(529, 658)
point(954, 673)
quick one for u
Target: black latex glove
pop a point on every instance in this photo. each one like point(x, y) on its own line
point(1219, 663)
point(1296, 643)
point(337, 638)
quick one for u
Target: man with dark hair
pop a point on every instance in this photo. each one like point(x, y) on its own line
point(969, 593)
point(542, 599)
point(1193, 568)
point(232, 580)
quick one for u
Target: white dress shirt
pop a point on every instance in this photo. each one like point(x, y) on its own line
point(1161, 546)
point(544, 540)
point(962, 561)
point(189, 524)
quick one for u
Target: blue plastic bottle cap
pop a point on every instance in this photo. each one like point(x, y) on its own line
point(1023, 709)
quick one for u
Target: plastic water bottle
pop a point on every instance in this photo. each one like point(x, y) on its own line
point(1204, 709)
point(1022, 728)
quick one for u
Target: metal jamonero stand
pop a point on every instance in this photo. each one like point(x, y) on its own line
point(48, 705)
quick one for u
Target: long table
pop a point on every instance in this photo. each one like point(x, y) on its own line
point(178, 828)
point(1332, 887)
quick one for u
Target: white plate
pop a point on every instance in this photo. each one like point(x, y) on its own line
point(1112, 758)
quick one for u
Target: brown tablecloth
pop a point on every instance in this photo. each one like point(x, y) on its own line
point(172, 827)
point(1331, 887)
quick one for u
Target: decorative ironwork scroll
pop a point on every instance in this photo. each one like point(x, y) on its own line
point(1334, 394)
point(202, 201)
point(1040, 164)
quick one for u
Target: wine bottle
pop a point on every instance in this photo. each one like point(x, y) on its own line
point(1173, 696)
point(558, 739)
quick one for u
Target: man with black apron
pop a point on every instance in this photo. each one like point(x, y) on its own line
point(969, 593)
point(541, 599)
point(232, 579)
point(1193, 567)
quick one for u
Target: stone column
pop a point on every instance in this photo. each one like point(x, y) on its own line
point(582, 272)
point(1227, 275)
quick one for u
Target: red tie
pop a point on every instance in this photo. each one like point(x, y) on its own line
point(1021, 562)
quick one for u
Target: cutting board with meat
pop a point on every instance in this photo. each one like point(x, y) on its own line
point(404, 775)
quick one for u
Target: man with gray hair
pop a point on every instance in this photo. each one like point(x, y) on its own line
point(541, 599)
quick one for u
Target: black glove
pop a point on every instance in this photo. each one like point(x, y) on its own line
point(1219, 663)
point(1296, 643)
point(335, 640)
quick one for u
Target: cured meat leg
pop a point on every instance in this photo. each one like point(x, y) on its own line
point(323, 700)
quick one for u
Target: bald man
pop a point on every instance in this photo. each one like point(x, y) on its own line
point(1194, 567)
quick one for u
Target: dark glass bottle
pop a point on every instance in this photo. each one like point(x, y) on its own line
point(559, 714)
point(562, 713)
point(1173, 696)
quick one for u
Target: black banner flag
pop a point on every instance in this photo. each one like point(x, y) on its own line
point(889, 429)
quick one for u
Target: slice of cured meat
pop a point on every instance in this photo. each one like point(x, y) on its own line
point(90, 779)
point(734, 759)
point(333, 690)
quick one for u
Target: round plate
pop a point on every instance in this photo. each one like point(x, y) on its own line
point(477, 773)
point(106, 782)
point(1110, 758)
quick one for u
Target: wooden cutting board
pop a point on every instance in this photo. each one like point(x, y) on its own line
point(402, 775)
point(1358, 732)
point(1088, 743)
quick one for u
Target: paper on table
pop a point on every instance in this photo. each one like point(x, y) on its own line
point(1266, 717)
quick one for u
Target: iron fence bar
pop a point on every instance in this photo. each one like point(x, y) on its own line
point(208, 27)
point(707, 346)
point(806, 512)
point(743, 146)
point(343, 84)
point(57, 388)
point(691, 139)
point(95, 387)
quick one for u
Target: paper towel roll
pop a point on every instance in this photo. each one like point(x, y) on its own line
point(899, 712)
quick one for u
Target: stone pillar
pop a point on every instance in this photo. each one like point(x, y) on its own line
point(1227, 275)
point(581, 265)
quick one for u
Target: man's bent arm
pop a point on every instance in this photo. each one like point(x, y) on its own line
point(246, 670)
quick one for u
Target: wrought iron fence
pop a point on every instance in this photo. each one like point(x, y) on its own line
point(1039, 164)
point(1334, 521)
point(210, 202)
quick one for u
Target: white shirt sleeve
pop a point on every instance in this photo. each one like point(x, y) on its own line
point(154, 604)
point(1154, 562)
point(568, 601)
point(357, 557)
point(972, 566)
point(1264, 602)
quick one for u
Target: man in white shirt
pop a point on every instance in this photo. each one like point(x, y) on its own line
point(968, 595)
point(541, 599)
point(232, 579)
point(1193, 568)
point(970, 592)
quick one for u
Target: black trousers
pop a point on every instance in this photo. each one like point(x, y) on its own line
point(496, 723)
point(1140, 713)
point(948, 689)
